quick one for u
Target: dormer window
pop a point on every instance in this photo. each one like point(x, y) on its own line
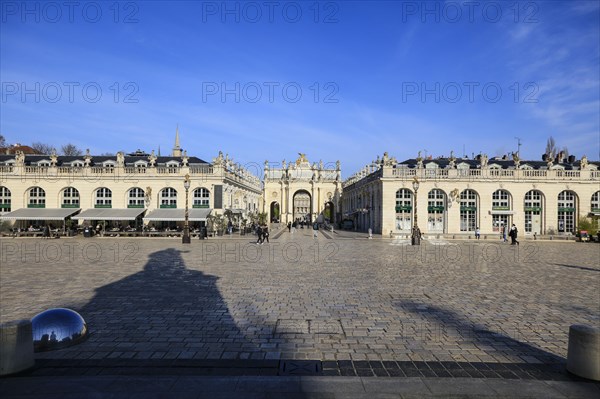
point(495, 166)
point(463, 169)
point(172, 166)
point(109, 164)
point(430, 168)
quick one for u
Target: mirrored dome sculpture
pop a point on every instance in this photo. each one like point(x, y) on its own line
point(57, 328)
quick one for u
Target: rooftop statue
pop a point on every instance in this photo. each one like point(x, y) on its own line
point(301, 159)
point(584, 162)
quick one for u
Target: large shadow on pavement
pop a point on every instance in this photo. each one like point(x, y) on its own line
point(504, 341)
point(165, 311)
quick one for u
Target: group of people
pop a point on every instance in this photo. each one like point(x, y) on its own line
point(298, 222)
point(293, 226)
point(262, 232)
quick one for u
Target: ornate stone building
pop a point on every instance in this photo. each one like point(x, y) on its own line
point(301, 191)
point(131, 188)
point(457, 196)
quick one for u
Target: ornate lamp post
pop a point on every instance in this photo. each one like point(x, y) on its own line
point(186, 227)
point(416, 233)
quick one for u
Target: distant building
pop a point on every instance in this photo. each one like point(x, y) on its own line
point(13, 149)
point(299, 191)
point(456, 196)
point(136, 188)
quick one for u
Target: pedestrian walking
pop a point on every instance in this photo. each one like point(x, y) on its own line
point(504, 228)
point(513, 235)
point(477, 233)
point(289, 226)
point(315, 230)
point(259, 234)
point(265, 233)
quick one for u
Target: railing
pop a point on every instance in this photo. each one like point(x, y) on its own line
point(166, 170)
point(130, 170)
point(201, 170)
point(36, 169)
point(481, 174)
point(6, 169)
point(404, 172)
point(502, 172)
point(534, 173)
point(568, 174)
point(101, 170)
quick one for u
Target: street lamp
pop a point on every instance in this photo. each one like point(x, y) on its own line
point(416, 233)
point(186, 226)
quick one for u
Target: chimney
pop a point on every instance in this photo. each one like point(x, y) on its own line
point(571, 159)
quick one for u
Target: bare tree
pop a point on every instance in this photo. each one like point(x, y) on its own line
point(2, 141)
point(70, 150)
point(565, 151)
point(107, 154)
point(551, 148)
point(43, 148)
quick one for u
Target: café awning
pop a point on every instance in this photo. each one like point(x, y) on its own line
point(40, 214)
point(110, 214)
point(177, 215)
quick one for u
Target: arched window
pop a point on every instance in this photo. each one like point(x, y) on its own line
point(135, 198)
point(595, 202)
point(404, 204)
point(201, 198)
point(4, 200)
point(103, 198)
point(567, 209)
point(37, 198)
point(70, 198)
point(595, 208)
point(534, 209)
point(501, 210)
point(468, 210)
point(168, 198)
point(436, 206)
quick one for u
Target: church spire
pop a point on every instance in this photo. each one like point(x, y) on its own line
point(176, 148)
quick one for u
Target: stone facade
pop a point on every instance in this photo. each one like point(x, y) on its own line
point(126, 181)
point(457, 196)
point(301, 191)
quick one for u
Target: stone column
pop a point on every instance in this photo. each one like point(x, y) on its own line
point(16, 347)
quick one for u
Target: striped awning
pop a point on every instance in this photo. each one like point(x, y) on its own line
point(40, 214)
point(177, 215)
point(110, 214)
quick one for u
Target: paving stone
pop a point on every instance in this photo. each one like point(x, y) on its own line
point(377, 303)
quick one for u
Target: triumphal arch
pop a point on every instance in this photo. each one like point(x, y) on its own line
point(302, 191)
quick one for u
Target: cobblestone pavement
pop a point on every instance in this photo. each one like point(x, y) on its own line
point(329, 299)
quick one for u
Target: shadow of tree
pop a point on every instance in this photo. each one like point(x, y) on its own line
point(449, 322)
point(165, 311)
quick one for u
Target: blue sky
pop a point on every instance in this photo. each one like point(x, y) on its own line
point(341, 80)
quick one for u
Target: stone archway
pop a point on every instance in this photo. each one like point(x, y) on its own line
point(302, 206)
